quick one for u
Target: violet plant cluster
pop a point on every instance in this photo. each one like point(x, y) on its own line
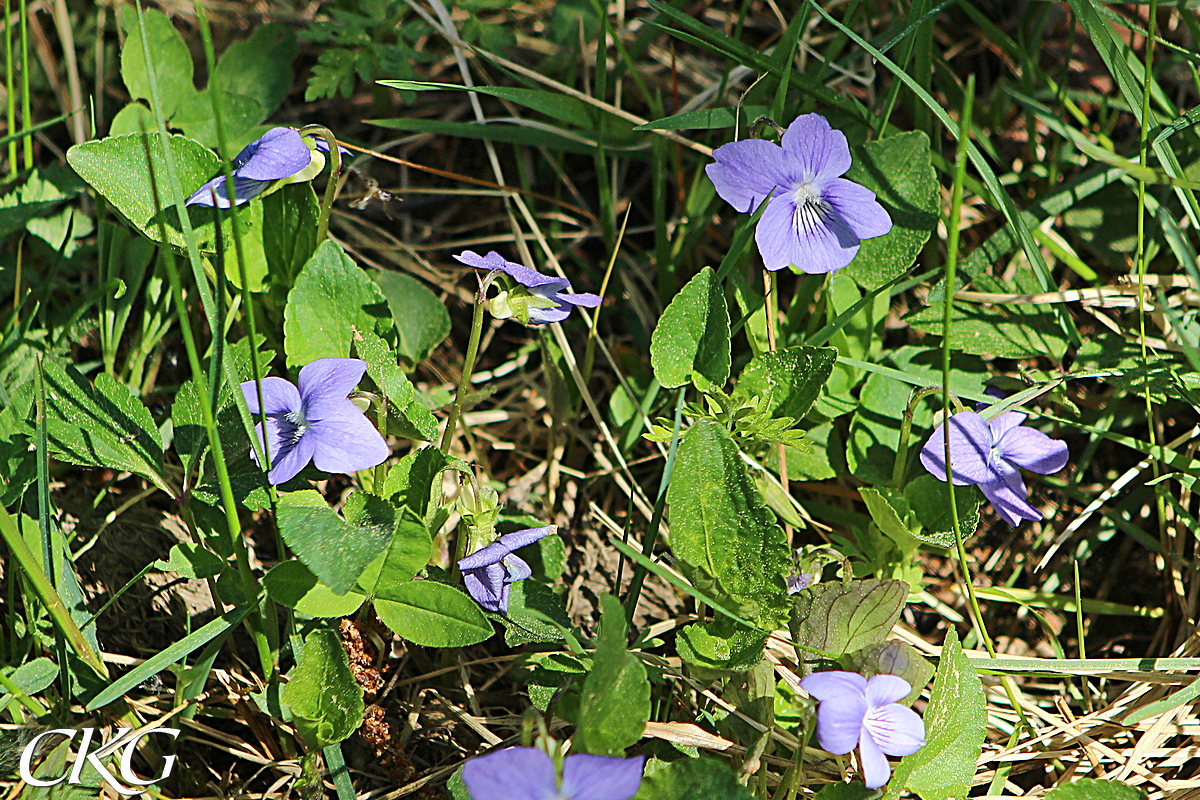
point(815, 221)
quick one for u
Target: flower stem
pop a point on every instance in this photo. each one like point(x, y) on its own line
point(960, 171)
point(956, 195)
point(464, 382)
point(900, 466)
point(335, 167)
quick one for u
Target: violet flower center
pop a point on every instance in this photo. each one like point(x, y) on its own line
point(292, 427)
point(811, 208)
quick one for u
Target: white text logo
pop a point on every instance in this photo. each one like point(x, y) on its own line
point(86, 755)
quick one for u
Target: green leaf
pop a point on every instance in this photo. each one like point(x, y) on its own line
point(898, 169)
point(845, 791)
point(614, 705)
point(334, 72)
point(412, 480)
point(192, 561)
point(135, 117)
point(721, 530)
point(875, 429)
point(422, 320)
point(292, 585)
point(721, 644)
point(238, 113)
point(840, 618)
point(120, 168)
point(101, 426)
point(326, 701)
point(191, 438)
point(331, 301)
point(407, 554)
point(928, 498)
point(1005, 330)
point(788, 381)
point(692, 778)
point(692, 337)
point(432, 614)
point(1093, 789)
point(416, 421)
point(336, 551)
point(955, 727)
point(893, 657)
point(18, 467)
point(33, 676)
point(168, 53)
point(259, 67)
point(523, 627)
point(891, 513)
point(289, 232)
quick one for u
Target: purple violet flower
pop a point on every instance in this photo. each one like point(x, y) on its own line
point(544, 299)
point(489, 572)
point(316, 422)
point(527, 773)
point(987, 453)
point(856, 712)
point(280, 153)
point(816, 219)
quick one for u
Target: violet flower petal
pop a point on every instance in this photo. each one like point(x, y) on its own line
point(280, 153)
point(857, 206)
point(323, 146)
point(244, 190)
point(545, 316)
point(1009, 503)
point(839, 722)
point(827, 685)
point(817, 243)
point(875, 767)
point(744, 173)
point(290, 460)
point(489, 572)
point(484, 556)
point(515, 568)
point(486, 585)
point(815, 220)
point(515, 773)
point(1033, 450)
point(279, 395)
point(1005, 422)
point(777, 241)
point(843, 704)
point(885, 688)
point(970, 450)
point(506, 544)
point(585, 299)
point(346, 442)
point(325, 384)
point(280, 438)
point(821, 151)
point(588, 777)
point(529, 278)
point(525, 537)
point(898, 730)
